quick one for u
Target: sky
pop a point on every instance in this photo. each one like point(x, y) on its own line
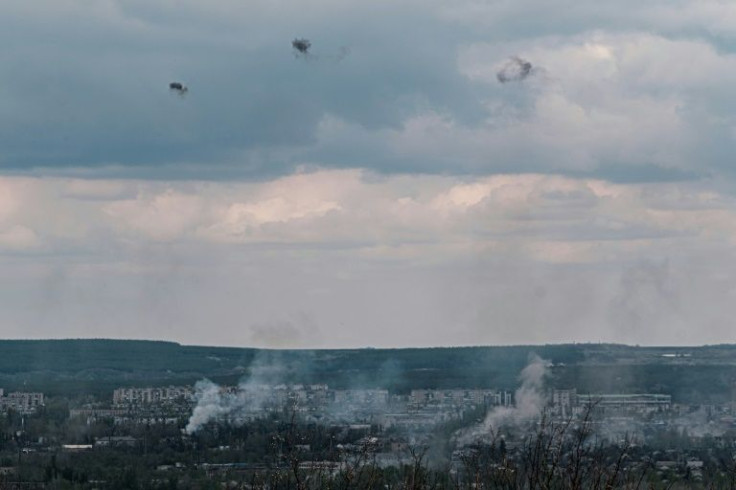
point(406, 182)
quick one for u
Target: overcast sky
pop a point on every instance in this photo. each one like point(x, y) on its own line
point(387, 189)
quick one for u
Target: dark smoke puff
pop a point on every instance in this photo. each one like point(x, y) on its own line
point(514, 70)
point(178, 87)
point(301, 46)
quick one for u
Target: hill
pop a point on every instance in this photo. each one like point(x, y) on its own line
point(97, 366)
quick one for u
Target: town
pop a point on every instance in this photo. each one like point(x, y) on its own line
point(237, 434)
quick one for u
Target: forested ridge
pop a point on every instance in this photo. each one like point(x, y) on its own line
point(97, 366)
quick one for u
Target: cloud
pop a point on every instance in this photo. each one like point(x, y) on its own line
point(646, 294)
point(571, 17)
point(291, 333)
point(616, 92)
point(111, 93)
point(164, 216)
point(354, 209)
point(402, 194)
point(622, 107)
point(349, 257)
point(18, 238)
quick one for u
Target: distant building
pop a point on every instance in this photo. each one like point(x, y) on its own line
point(563, 402)
point(94, 414)
point(507, 400)
point(151, 396)
point(116, 441)
point(459, 397)
point(21, 402)
point(367, 398)
point(628, 404)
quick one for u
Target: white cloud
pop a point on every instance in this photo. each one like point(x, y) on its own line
point(167, 215)
point(443, 260)
point(632, 106)
point(466, 210)
point(632, 99)
point(18, 238)
point(352, 209)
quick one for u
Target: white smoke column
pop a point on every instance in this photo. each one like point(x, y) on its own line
point(253, 394)
point(529, 399)
point(218, 405)
point(212, 404)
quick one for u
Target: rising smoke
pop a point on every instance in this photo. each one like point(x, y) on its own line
point(250, 399)
point(529, 398)
point(529, 403)
point(215, 403)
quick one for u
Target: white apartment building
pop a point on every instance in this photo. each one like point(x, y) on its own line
point(22, 402)
point(150, 396)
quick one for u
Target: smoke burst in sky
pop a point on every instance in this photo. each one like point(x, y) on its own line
point(301, 47)
point(514, 70)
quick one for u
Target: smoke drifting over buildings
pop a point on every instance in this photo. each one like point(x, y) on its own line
point(530, 400)
point(246, 401)
point(212, 404)
point(250, 400)
point(514, 70)
point(272, 387)
point(530, 397)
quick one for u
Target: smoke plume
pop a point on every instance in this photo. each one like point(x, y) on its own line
point(514, 70)
point(529, 398)
point(529, 403)
point(212, 403)
point(301, 46)
point(251, 399)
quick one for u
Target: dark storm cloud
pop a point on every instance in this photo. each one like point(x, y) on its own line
point(105, 106)
point(83, 92)
point(629, 174)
